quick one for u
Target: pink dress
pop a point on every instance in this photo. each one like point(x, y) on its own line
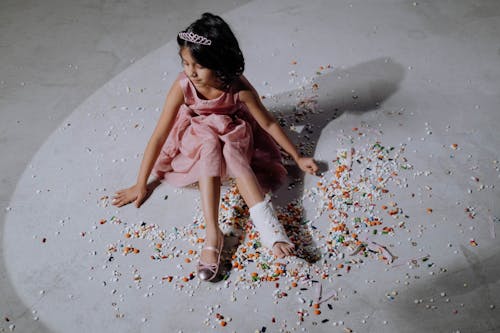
point(217, 138)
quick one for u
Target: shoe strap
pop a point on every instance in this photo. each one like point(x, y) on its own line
point(203, 265)
point(210, 248)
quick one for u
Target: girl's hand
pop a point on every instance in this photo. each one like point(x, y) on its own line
point(307, 165)
point(135, 193)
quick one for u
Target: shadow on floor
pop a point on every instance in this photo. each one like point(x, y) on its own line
point(358, 89)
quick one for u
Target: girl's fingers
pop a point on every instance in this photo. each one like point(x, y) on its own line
point(124, 197)
point(282, 250)
point(123, 202)
point(117, 200)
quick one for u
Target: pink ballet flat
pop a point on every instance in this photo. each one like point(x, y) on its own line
point(207, 272)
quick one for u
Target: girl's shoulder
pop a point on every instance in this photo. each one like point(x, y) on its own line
point(182, 84)
point(182, 79)
point(244, 89)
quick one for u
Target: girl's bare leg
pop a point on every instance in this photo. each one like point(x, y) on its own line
point(251, 192)
point(210, 197)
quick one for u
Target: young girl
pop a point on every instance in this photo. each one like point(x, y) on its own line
point(214, 127)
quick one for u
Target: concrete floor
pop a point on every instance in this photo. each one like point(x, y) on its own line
point(81, 85)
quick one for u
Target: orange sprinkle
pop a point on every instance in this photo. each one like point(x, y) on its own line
point(317, 312)
point(127, 235)
point(316, 305)
point(223, 323)
point(136, 251)
point(429, 210)
point(185, 279)
point(187, 260)
point(190, 252)
point(394, 211)
point(294, 284)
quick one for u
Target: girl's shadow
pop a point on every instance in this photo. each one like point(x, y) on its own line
point(304, 113)
point(358, 89)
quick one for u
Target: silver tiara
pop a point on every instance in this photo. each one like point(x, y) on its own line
point(194, 38)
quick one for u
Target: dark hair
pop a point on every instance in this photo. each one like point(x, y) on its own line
point(223, 55)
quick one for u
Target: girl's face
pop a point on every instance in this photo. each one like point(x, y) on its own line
point(201, 77)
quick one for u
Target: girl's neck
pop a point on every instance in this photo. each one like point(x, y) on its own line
point(208, 92)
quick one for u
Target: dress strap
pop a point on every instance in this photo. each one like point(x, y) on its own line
point(186, 89)
point(236, 96)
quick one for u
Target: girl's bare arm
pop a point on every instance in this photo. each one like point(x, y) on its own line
point(138, 191)
point(264, 118)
